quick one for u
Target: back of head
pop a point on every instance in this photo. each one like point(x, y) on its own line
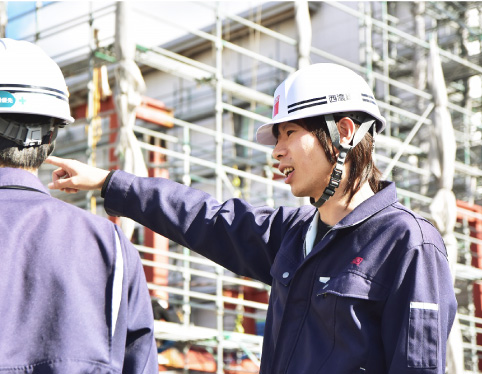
point(33, 104)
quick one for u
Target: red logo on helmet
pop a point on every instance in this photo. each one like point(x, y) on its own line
point(276, 106)
point(357, 261)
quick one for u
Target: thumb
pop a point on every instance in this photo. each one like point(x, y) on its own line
point(61, 184)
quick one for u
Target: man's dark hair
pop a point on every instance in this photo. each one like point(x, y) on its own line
point(362, 167)
point(17, 156)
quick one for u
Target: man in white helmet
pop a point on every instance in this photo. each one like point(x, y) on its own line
point(73, 295)
point(360, 284)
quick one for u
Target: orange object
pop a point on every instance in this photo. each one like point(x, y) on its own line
point(475, 225)
point(198, 360)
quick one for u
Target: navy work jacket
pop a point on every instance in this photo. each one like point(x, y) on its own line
point(73, 295)
point(374, 296)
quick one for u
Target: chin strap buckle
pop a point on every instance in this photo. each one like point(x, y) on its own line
point(335, 178)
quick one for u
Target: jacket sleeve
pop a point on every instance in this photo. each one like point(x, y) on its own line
point(419, 313)
point(234, 234)
point(140, 349)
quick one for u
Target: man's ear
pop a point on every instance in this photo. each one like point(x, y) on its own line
point(346, 129)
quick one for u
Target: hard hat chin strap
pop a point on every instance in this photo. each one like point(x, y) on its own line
point(335, 179)
point(27, 135)
point(337, 173)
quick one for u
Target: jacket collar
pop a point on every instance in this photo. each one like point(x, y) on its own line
point(385, 197)
point(382, 199)
point(20, 177)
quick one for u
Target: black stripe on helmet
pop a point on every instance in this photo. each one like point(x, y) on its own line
point(307, 101)
point(368, 99)
point(32, 88)
point(306, 106)
point(40, 93)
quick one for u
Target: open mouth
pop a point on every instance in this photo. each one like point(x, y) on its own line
point(288, 171)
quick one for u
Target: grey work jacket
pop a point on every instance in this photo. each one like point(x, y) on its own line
point(73, 295)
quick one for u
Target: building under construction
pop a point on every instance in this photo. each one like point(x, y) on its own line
point(157, 92)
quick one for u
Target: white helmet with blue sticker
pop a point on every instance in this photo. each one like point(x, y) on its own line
point(31, 82)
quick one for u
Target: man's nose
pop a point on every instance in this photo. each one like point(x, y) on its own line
point(278, 151)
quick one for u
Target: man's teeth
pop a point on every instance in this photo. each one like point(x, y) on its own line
point(287, 171)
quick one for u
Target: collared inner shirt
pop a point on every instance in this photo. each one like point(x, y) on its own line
point(317, 230)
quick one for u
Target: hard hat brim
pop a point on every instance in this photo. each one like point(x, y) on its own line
point(265, 136)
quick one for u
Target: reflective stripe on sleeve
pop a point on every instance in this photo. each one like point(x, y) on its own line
point(420, 305)
point(117, 283)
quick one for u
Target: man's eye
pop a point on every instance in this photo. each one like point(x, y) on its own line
point(289, 132)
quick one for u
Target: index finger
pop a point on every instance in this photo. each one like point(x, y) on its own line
point(57, 161)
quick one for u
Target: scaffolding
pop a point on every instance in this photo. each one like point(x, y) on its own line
point(216, 84)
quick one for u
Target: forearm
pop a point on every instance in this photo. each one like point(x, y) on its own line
point(233, 234)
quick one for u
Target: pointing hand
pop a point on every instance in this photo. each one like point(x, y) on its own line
point(72, 175)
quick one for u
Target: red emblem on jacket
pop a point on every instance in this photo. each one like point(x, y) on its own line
point(357, 261)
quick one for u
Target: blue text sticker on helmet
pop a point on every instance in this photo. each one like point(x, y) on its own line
point(6, 99)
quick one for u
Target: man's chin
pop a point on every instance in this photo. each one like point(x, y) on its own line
point(296, 193)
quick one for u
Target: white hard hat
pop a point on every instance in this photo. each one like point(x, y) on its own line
point(320, 89)
point(31, 82)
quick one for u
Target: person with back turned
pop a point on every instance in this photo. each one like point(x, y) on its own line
point(73, 295)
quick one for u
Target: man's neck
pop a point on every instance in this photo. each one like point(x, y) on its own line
point(335, 208)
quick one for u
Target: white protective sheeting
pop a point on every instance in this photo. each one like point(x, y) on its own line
point(129, 87)
point(303, 25)
point(443, 206)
